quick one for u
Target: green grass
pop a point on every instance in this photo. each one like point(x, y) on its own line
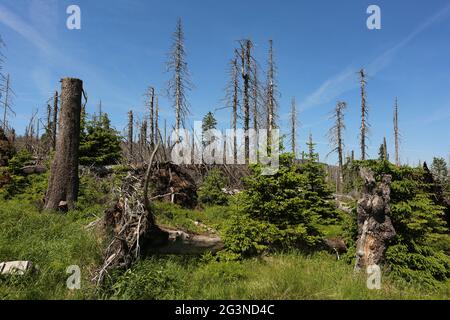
point(54, 241)
point(288, 276)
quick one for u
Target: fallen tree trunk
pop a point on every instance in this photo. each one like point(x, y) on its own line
point(168, 241)
point(35, 169)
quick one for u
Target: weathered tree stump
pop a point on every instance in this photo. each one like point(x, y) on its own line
point(375, 228)
point(64, 180)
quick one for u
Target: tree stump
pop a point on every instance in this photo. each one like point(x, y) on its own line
point(375, 228)
point(64, 180)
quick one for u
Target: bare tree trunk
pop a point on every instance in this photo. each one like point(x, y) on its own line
point(396, 134)
point(6, 103)
point(130, 135)
point(151, 105)
point(246, 72)
point(364, 114)
point(64, 181)
point(256, 94)
point(55, 120)
point(235, 106)
point(294, 127)
point(156, 121)
point(271, 103)
point(143, 140)
point(336, 134)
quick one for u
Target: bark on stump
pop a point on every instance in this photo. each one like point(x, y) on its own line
point(64, 181)
point(375, 228)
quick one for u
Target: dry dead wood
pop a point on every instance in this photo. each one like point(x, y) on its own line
point(132, 226)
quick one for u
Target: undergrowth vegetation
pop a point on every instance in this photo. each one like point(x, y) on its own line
point(270, 230)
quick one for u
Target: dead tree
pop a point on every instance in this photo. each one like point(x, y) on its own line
point(364, 114)
point(150, 103)
point(143, 139)
point(271, 92)
point(156, 125)
point(375, 228)
point(246, 62)
point(232, 100)
point(294, 124)
point(55, 120)
point(180, 81)
point(336, 134)
point(64, 181)
point(396, 134)
point(130, 134)
point(7, 102)
point(256, 97)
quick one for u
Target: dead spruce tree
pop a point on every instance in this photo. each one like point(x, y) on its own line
point(245, 56)
point(180, 81)
point(396, 134)
point(7, 103)
point(375, 228)
point(256, 96)
point(294, 124)
point(232, 92)
point(363, 135)
point(156, 120)
point(335, 135)
point(55, 120)
point(64, 181)
point(143, 140)
point(150, 103)
point(271, 93)
point(130, 135)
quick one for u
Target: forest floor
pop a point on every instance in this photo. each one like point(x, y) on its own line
point(55, 241)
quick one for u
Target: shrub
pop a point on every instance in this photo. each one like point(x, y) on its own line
point(21, 159)
point(211, 190)
point(99, 142)
point(282, 210)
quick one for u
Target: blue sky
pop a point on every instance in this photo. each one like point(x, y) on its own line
point(319, 45)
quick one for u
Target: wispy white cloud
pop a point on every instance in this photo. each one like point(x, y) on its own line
point(346, 79)
point(54, 59)
point(441, 114)
point(15, 23)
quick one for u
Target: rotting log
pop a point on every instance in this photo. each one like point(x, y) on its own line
point(375, 228)
point(170, 241)
point(35, 169)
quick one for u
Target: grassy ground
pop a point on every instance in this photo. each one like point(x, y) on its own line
point(55, 241)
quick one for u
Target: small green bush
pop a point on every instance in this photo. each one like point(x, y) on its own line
point(21, 159)
point(210, 192)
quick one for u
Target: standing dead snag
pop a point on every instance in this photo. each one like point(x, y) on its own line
point(294, 127)
point(336, 134)
point(180, 81)
point(55, 120)
point(63, 183)
point(246, 66)
point(396, 134)
point(7, 103)
point(232, 100)
point(271, 92)
point(130, 135)
point(375, 228)
point(364, 114)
